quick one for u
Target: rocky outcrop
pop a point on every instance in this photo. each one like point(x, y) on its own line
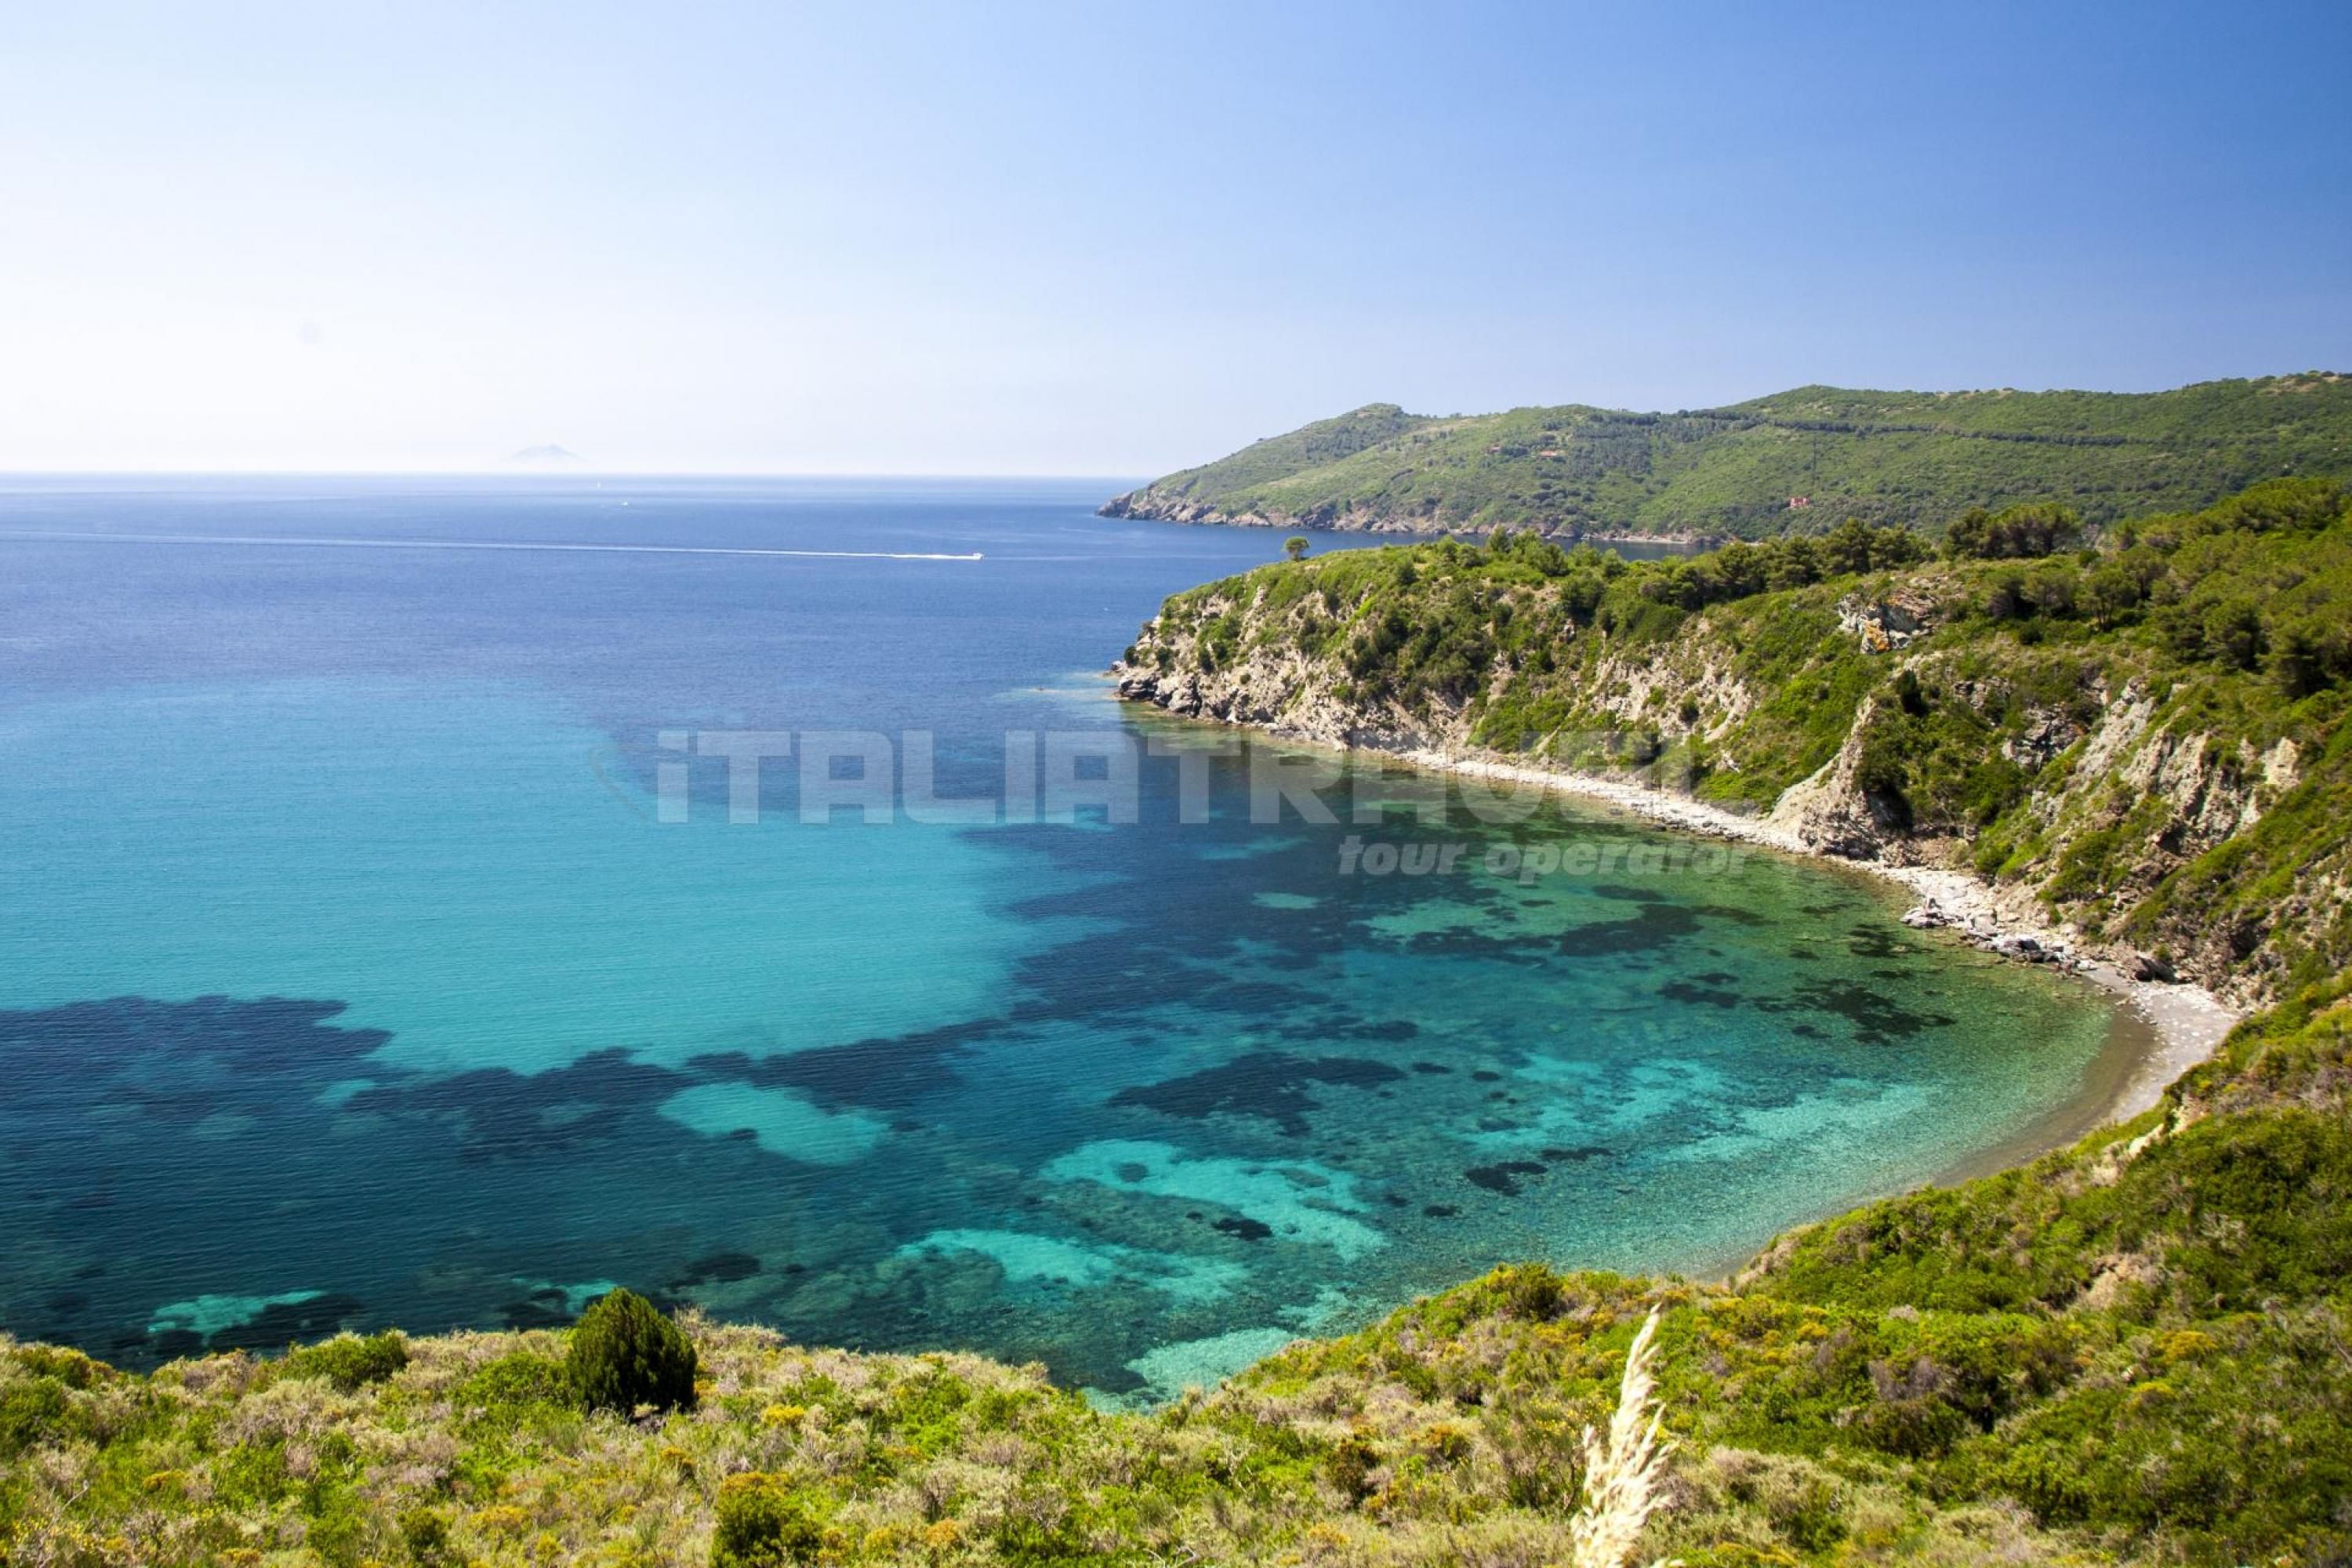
point(1279, 689)
point(1832, 812)
point(1881, 625)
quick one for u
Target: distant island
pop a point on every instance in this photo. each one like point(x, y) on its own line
point(547, 455)
point(1795, 462)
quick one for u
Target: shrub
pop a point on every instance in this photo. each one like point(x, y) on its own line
point(624, 1354)
point(514, 1384)
point(762, 1523)
point(32, 1411)
point(70, 1367)
point(1350, 1465)
point(425, 1533)
point(349, 1360)
point(1531, 1292)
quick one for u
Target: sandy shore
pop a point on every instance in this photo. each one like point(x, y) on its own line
point(2186, 1022)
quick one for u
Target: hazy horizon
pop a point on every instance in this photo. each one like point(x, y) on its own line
point(581, 464)
point(1047, 241)
point(584, 470)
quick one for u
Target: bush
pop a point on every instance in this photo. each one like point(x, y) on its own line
point(515, 1383)
point(1349, 1468)
point(624, 1354)
point(425, 1533)
point(762, 1523)
point(32, 1411)
point(69, 1367)
point(1531, 1292)
point(349, 1360)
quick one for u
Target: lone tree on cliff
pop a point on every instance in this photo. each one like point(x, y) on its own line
point(624, 1354)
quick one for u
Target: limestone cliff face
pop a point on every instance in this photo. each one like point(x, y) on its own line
point(2111, 777)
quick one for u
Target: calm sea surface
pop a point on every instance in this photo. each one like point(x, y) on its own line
point(351, 974)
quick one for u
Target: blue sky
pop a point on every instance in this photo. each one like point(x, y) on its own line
point(1108, 239)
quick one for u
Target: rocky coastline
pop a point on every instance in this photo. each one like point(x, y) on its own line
point(1145, 506)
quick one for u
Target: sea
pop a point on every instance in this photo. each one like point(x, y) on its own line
point(432, 903)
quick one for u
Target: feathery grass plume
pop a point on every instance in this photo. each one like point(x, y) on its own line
point(1622, 1471)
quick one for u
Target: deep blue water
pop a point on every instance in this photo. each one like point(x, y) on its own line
point(349, 973)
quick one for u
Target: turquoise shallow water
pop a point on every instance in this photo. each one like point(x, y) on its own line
point(351, 976)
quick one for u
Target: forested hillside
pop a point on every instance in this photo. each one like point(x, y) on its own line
point(1798, 461)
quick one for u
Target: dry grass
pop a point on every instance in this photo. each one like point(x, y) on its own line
point(1625, 1472)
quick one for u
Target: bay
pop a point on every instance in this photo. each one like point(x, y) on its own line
point(376, 948)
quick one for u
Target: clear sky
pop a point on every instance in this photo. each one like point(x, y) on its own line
point(1108, 239)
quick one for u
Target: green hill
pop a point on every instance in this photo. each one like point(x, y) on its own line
point(1885, 457)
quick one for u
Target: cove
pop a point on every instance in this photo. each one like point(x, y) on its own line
point(352, 978)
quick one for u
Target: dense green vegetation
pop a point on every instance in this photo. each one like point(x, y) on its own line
point(2136, 1348)
point(1919, 458)
point(2148, 731)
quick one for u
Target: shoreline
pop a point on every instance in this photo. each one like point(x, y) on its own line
point(1405, 532)
point(2186, 1022)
